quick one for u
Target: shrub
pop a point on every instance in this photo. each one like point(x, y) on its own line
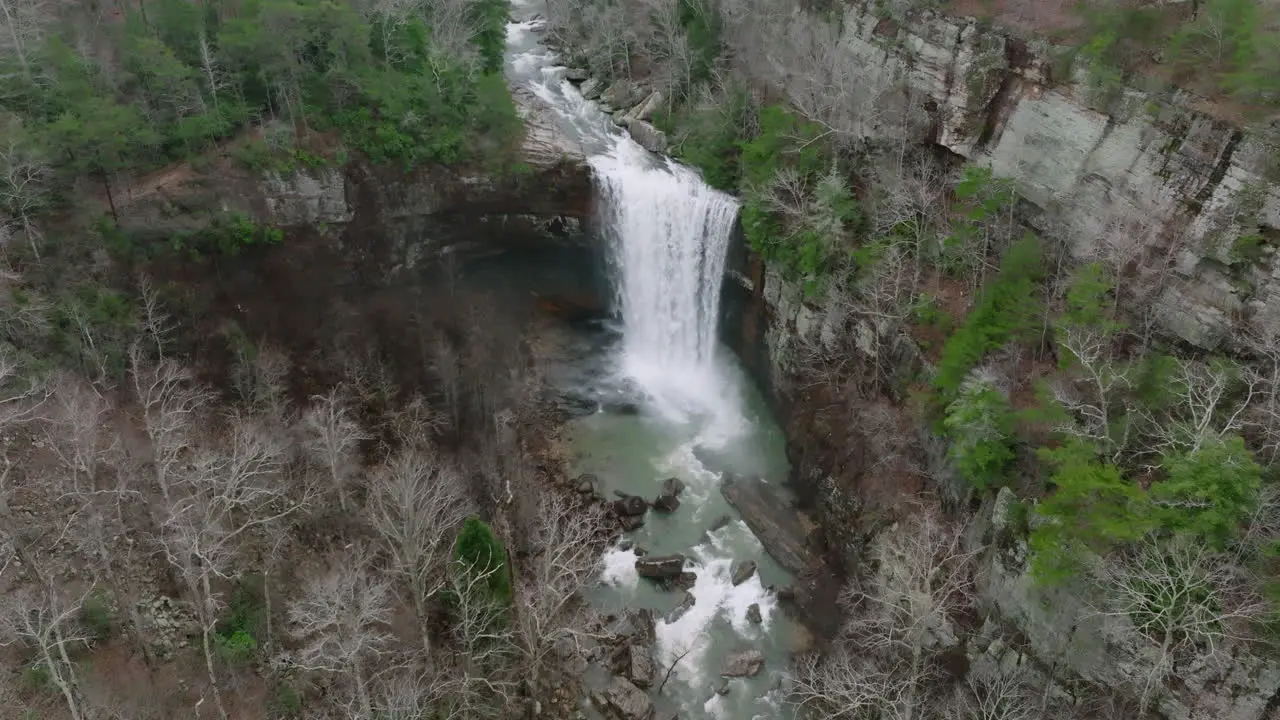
point(95, 615)
point(1091, 509)
point(479, 550)
point(979, 423)
point(236, 648)
point(287, 702)
point(1009, 305)
point(1208, 492)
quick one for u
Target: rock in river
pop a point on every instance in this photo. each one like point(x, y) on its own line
point(753, 614)
point(660, 567)
point(630, 505)
point(669, 500)
point(635, 663)
point(743, 663)
point(743, 571)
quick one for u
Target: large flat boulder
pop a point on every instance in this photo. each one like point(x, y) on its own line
point(660, 567)
point(625, 701)
point(773, 517)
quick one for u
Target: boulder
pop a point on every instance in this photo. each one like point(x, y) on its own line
point(686, 602)
point(587, 483)
point(631, 523)
point(722, 687)
point(630, 505)
point(774, 519)
point(576, 75)
point(743, 571)
point(669, 500)
point(648, 107)
point(685, 580)
point(647, 136)
point(635, 663)
point(623, 94)
point(660, 567)
point(634, 626)
point(590, 89)
point(625, 701)
point(743, 663)
point(753, 614)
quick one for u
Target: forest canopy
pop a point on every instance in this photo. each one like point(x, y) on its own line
point(96, 91)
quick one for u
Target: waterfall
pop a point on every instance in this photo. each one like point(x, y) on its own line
point(668, 235)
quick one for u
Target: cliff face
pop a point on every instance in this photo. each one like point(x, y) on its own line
point(397, 215)
point(1153, 183)
point(1150, 180)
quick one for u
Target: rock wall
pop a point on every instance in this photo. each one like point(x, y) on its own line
point(1151, 179)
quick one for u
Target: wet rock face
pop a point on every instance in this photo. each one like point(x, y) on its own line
point(624, 701)
point(773, 518)
point(743, 663)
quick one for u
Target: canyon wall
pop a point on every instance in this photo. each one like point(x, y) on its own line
point(1156, 182)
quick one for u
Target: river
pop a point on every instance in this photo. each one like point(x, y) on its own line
point(671, 396)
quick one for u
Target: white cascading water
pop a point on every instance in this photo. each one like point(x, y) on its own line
point(669, 233)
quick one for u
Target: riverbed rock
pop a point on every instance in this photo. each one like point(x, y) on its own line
point(753, 614)
point(631, 523)
point(633, 626)
point(623, 94)
point(772, 516)
point(630, 505)
point(743, 571)
point(625, 701)
point(576, 75)
point(685, 580)
point(649, 137)
point(743, 663)
point(591, 89)
point(635, 663)
point(647, 108)
point(660, 567)
point(587, 483)
point(686, 602)
point(669, 500)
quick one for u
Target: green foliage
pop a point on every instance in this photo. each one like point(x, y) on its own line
point(1208, 492)
point(927, 312)
point(1117, 35)
point(37, 678)
point(1092, 508)
point(236, 637)
point(479, 550)
point(1248, 249)
point(1090, 301)
point(286, 703)
point(784, 140)
point(1152, 380)
point(95, 615)
point(983, 205)
point(979, 425)
point(136, 96)
point(1008, 306)
point(237, 648)
point(703, 27)
point(709, 137)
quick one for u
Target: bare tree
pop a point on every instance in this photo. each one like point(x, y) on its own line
point(45, 619)
point(880, 664)
point(1211, 401)
point(549, 604)
point(225, 495)
point(999, 695)
point(340, 618)
point(416, 502)
point(172, 404)
point(24, 25)
point(483, 638)
point(1184, 596)
point(24, 180)
point(1091, 402)
point(333, 438)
